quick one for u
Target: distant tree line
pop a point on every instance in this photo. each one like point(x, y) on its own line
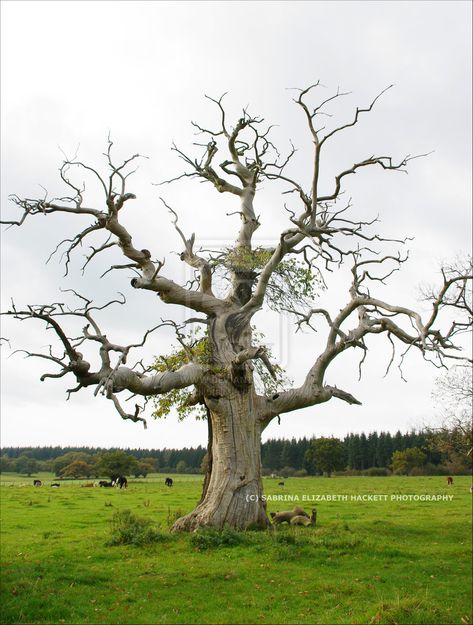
point(357, 452)
point(378, 453)
point(95, 461)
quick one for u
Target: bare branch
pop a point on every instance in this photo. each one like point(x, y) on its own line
point(252, 353)
point(133, 417)
point(357, 114)
point(108, 220)
point(110, 379)
point(191, 258)
point(386, 162)
point(97, 250)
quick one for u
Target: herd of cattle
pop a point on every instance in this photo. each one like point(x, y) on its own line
point(119, 481)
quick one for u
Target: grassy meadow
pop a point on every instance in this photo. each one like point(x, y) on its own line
point(403, 562)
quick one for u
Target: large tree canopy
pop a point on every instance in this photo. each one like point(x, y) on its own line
point(225, 369)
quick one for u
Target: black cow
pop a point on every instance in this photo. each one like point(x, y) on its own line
point(121, 481)
point(55, 485)
point(105, 484)
point(37, 483)
point(168, 481)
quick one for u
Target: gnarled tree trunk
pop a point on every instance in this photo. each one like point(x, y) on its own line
point(234, 492)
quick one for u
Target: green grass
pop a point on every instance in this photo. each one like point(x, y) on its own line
point(366, 562)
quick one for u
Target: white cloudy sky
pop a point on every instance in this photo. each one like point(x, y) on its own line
point(74, 71)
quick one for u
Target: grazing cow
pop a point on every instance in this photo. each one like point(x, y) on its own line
point(168, 481)
point(121, 481)
point(105, 484)
point(88, 485)
point(449, 481)
point(280, 483)
point(55, 485)
point(287, 515)
point(37, 483)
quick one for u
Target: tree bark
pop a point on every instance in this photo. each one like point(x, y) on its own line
point(234, 492)
point(208, 472)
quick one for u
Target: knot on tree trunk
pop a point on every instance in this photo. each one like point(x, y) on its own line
point(240, 377)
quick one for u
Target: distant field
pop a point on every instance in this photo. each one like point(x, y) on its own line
point(403, 562)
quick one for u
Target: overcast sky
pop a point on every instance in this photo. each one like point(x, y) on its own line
point(74, 71)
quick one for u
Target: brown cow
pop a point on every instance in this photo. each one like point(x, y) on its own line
point(449, 480)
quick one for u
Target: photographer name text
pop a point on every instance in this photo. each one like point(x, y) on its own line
point(357, 498)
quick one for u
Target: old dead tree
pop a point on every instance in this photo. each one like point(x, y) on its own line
point(322, 234)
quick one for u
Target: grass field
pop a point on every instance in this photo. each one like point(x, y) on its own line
point(387, 561)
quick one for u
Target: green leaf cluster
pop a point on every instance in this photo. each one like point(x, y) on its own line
point(198, 351)
point(243, 259)
point(294, 284)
